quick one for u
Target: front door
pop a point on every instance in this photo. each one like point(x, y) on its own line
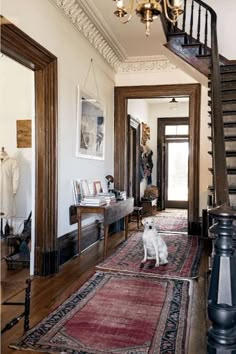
point(176, 179)
point(173, 162)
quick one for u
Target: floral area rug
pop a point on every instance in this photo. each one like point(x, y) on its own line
point(116, 313)
point(184, 254)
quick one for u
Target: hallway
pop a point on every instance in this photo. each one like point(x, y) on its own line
point(49, 292)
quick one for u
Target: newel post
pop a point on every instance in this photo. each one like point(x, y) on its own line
point(222, 290)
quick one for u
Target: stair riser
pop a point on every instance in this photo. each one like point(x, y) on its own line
point(232, 180)
point(231, 161)
point(227, 68)
point(230, 118)
point(232, 199)
point(230, 145)
point(229, 107)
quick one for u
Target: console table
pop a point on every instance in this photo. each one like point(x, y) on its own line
point(111, 213)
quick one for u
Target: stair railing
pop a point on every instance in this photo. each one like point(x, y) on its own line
point(222, 289)
point(201, 29)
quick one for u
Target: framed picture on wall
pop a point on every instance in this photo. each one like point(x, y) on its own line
point(90, 132)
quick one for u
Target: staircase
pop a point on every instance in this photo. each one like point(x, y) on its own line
point(228, 95)
point(193, 43)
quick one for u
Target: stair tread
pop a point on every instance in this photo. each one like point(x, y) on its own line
point(232, 189)
point(227, 137)
point(230, 170)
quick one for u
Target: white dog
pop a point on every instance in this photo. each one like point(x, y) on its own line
point(154, 246)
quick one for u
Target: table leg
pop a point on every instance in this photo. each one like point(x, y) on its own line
point(106, 231)
point(126, 226)
point(79, 231)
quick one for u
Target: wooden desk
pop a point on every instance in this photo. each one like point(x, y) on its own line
point(111, 213)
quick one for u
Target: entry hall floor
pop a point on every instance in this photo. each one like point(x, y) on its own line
point(47, 293)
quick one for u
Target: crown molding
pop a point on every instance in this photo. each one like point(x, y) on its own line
point(84, 22)
point(146, 64)
point(89, 22)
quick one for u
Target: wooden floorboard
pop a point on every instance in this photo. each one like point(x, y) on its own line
point(48, 293)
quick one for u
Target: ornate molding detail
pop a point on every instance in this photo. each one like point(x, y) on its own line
point(88, 22)
point(146, 64)
point(75, 12)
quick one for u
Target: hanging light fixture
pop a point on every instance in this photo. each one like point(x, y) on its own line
point(148, 10)
point(173, 103)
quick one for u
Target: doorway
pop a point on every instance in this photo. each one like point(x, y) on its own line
point(122, 95)
point(173, 160)
point(20, 47)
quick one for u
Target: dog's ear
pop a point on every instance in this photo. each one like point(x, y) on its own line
point(143, 221)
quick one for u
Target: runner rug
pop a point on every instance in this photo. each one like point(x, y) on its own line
point(116, 313)
point(172, 220)
point(184, 254)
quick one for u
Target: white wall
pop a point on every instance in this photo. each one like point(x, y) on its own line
point(16, 103)
point(225, 26)
point(40, 20)
point(162, 110)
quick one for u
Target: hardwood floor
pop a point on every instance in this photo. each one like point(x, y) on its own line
point(48, 293)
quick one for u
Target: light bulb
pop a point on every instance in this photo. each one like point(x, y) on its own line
point(119, 4)
point(178, 3)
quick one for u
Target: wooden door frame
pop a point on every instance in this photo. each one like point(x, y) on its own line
point(122, 95)
point(135, 126)
point(161, 123)
point(20, 47)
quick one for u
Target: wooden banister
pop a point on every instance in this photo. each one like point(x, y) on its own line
point(197, 31)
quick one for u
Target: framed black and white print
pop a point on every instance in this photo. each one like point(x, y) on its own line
point(90, 137)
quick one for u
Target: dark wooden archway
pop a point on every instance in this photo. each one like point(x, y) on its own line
point(193, 91)
point(23, 49)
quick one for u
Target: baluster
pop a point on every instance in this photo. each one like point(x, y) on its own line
point(191, 22)
point(184, 16)
point(206, 33)
point(222, 291)
point(199, 29)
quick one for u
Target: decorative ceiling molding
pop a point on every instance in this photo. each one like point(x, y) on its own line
point(74, 10)
point(146, 64)
point(86, 19)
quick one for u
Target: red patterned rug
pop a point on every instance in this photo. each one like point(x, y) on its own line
point(116, 313)
point(184, 254)
point(172, 220)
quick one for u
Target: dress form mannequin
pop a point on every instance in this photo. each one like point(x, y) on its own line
point(9, 182)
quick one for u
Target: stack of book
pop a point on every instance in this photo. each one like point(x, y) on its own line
point(93, 201)
point(109, 197)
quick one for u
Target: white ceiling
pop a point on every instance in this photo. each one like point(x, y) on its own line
point(130, 38)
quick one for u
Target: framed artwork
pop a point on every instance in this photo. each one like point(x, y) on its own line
point(77, 191)
point(23, 133)
point(90, 132)
point(84, 188)
point(97, 187)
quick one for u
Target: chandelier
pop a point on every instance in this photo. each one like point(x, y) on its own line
point(148, 10)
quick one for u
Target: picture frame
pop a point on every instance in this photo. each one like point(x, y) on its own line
point(77, 192)
point(84, 188)
point(90, 131)
point(97, 187)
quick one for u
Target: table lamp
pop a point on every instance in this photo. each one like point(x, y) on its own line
point(110, 179)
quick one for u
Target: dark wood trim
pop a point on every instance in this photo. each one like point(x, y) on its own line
point(161, 154)
point(122, 94)
point(134, 129)
point(23, 49)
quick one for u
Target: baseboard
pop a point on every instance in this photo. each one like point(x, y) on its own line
point(68, 243)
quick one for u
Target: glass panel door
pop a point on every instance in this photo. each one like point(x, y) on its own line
point(177, 174)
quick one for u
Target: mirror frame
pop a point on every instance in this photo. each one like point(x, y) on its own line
point(20, 47)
